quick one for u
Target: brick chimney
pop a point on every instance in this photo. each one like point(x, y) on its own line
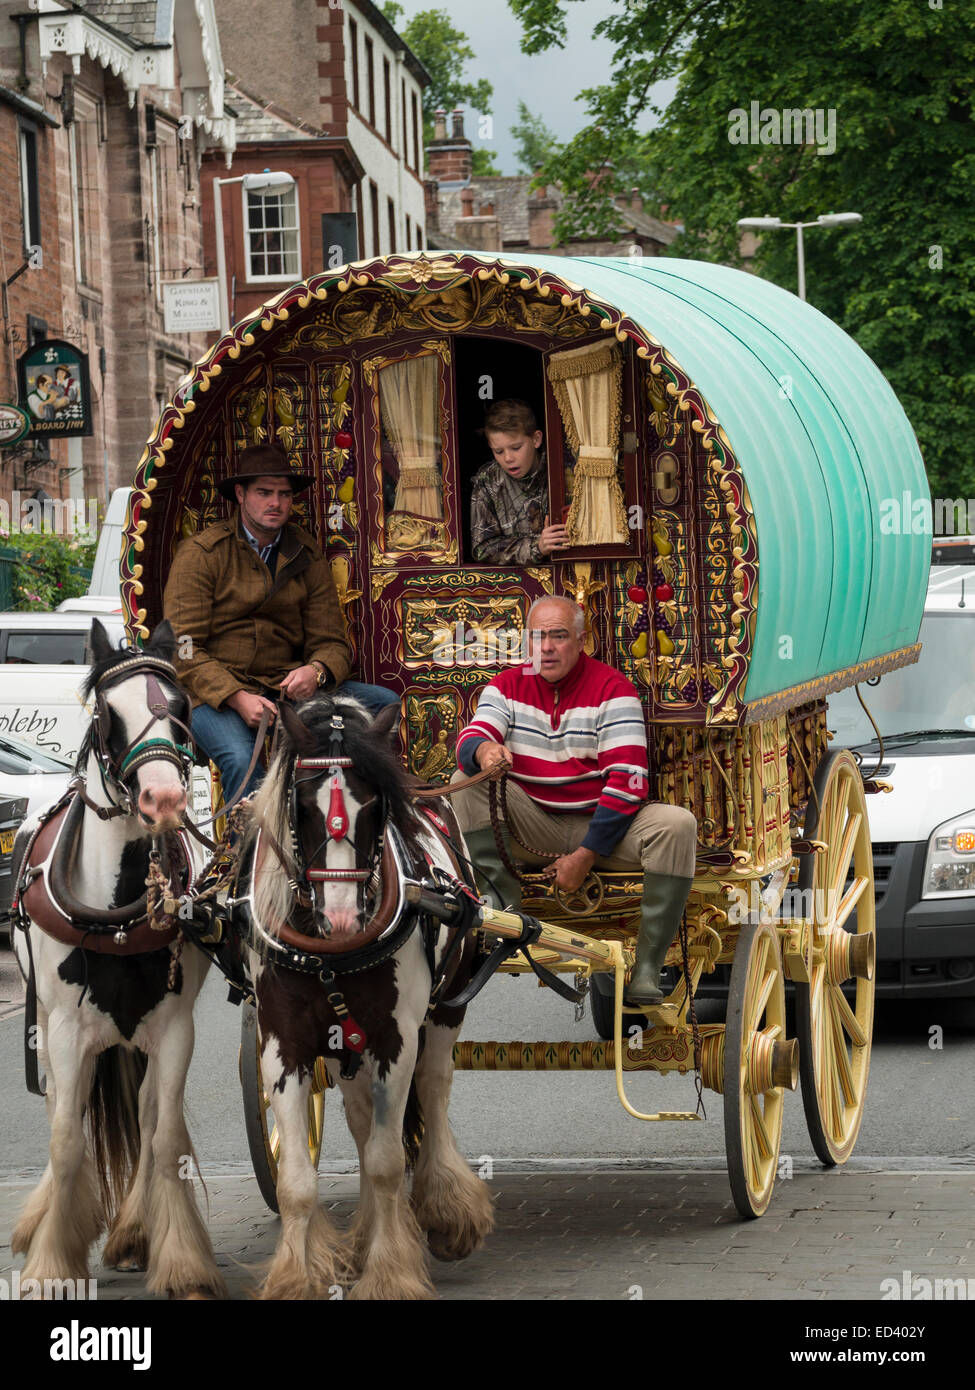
point(431, 205)
point(480, 233)
point(541, 219)
point(450, 158)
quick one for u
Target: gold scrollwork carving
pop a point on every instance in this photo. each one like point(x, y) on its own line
point(380, 579)
point(542, 577)
point(430, 723)
point(455, 631)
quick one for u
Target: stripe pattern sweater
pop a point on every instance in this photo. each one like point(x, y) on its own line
point(579, 745)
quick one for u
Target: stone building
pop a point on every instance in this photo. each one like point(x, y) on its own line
point(497, 212)
point(106, 110)
point(330, 94)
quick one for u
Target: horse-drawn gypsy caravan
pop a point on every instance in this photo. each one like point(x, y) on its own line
point(721, 451)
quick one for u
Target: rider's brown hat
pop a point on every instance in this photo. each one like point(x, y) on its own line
point(263, 461)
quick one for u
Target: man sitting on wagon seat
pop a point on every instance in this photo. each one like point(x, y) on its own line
point(570, 731)
point(254, 597)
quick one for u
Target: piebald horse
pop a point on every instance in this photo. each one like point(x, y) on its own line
point(115, 993)
point(344, 970)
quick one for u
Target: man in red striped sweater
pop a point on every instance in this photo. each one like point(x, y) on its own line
point(570, 732)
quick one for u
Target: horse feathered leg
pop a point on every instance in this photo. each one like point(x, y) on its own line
point(311, 1257)
point(181, 1259)
point(395, 1266)
point(127, 1246)
point(64, 1216)
point(451, 1204)
point(358, 1115)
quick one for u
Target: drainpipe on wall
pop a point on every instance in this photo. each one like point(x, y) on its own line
point(400, 210)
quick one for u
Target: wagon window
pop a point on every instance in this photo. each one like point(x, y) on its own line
point(409, 409)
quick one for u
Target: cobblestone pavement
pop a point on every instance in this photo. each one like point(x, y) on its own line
point(619, 1234)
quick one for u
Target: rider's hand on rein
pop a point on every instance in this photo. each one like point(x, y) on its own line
point(251, 707)
point(493, 757)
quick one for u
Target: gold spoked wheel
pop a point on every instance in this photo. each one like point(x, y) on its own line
point(262, 1132)
point(759, 1063)
point(837, 893)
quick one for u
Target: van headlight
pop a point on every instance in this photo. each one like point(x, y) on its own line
point(949, 869)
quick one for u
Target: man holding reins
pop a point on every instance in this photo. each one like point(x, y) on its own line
point(256, 616)
point(570, 732)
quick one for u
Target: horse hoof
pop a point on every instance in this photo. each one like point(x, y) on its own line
point(130, 1264)
point(446, 1248)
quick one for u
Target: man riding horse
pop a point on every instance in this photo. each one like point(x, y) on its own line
point(569, 731)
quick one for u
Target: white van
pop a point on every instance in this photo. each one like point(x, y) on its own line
point(105, 578)
point(923, 831)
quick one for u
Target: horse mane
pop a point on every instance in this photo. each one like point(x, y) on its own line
point(372, 759)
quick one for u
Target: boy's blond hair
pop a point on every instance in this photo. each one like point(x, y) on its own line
point(510, 417)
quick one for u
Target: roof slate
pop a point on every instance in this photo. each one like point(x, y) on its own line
point(135, 18)
point(261, 120)
point(511, 195)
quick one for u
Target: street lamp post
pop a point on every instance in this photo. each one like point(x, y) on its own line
point(825, 219)
point(253, 183)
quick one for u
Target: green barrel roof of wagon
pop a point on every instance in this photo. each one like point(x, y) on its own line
point(821, 440)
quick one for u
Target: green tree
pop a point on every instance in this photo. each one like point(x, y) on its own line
point(897, 77)
point(445, 52)
point(533, 140)
point(46, 568)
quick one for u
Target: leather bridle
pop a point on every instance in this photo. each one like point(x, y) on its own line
point(336, 828)
point(117, 771)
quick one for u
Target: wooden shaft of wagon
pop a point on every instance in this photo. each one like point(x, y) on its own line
point(511, 925)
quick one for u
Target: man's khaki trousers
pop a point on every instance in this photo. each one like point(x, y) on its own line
point(661, 838)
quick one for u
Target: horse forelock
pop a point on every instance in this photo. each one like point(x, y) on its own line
point(373, 759)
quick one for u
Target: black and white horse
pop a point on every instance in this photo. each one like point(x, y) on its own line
point(342, 970)
point(114, 992)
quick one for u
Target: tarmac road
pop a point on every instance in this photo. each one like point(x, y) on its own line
point(919, 1114)
point(592, 1205)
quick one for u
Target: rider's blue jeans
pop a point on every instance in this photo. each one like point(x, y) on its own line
point(226, 740)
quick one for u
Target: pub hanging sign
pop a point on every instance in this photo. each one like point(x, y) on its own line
point(52, 378)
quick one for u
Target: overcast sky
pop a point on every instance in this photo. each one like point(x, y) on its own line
point(547, 83)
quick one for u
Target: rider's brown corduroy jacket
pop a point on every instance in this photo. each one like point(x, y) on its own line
point(236, 628)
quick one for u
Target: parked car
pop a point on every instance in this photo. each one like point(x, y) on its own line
point(29, 780)
point(923, 831)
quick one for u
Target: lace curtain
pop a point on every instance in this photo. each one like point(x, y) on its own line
point(409, 403)
point(588, 386)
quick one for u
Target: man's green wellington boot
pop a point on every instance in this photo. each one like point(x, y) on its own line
point(496, 883)
point(664, 899)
